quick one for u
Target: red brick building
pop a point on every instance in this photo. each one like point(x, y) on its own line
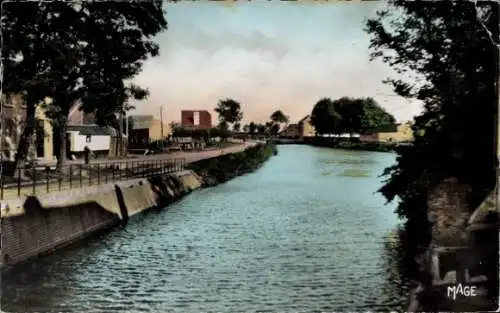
point(196, 119)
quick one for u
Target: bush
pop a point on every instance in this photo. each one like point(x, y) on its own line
point(220, 169)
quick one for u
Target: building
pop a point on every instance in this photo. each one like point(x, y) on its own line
point(82, 131)
point(13, 120)
point(97, 138)
point(145, 128)
point(196, 119)
point(290, 131)
point(305, 128)
point(392, 133)
point(76, 116)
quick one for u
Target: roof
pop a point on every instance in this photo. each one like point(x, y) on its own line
point(303, 119)
point(290, 127)
point(140, 121)
point(192, 111)
point(92, 130)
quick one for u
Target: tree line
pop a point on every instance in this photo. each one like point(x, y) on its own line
point(340, 116)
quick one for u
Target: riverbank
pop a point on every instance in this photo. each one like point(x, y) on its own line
point(221, 169)
point(36, 225)
point(343, 143)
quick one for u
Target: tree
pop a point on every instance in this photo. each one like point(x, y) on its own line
point(325, 118)
point(357, 115)
point(372, 115)
point(246, 128)
point(26, 65)
point(252, 127)
point(229, 111)
point(79, 51)
point(261, 129)
point(450, 47)
point(274, 128)
point(236, 127)
point(278, 117)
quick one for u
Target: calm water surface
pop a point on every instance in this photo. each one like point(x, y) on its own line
point(305, 233)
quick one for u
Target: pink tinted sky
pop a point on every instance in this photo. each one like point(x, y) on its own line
point(266, 55)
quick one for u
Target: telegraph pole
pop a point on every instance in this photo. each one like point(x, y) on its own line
point(161, 121)
point(120, 145)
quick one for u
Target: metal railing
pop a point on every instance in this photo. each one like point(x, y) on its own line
point(31, 180)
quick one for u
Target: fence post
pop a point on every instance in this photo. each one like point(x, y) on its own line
point(1, 187)
point(98, 173)
point(47, 179)
point(89, 173)
point(33, 171)
point(143, 169)
point(59, 180)
point(81, 178)
point(70, 176)
point(113, 172)
point(18, 181)
point(105, 174)
point(126, 170)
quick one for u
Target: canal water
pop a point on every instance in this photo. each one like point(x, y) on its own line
point(305, 233)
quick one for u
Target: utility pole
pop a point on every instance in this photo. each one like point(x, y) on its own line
point(161, 121)
point(120, 140)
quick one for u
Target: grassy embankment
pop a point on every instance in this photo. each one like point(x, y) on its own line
point(225, 167)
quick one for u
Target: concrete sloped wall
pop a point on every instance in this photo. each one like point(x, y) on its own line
point(32, 226)
point(39, 231)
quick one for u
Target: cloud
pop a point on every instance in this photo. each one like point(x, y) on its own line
point(267, 57)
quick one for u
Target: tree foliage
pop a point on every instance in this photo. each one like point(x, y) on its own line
point(229, 111)
point(252, 127)
point(279, 117)
point(349, 115)
point(84, 51)
point(449, 47)
point(261, 129)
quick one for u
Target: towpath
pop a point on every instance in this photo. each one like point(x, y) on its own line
point(189, 156)
point(45, 186)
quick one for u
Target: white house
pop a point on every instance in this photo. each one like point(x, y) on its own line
point(96, 138)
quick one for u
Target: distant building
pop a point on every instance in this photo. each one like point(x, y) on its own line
point(391, 133)
point(305, 128)
point(196, 119)
point(145, 128)
point(290, 131)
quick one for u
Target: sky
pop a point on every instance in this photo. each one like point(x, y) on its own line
point(267, 55)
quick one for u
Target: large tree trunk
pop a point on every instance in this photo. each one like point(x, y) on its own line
point(26, 137)
point(61, 137)
point(62, 122)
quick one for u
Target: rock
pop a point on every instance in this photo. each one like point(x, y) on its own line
point(448, 212)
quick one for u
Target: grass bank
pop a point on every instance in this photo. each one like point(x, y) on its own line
point(225, 167)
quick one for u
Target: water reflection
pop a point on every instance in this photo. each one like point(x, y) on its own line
point(285, 238)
